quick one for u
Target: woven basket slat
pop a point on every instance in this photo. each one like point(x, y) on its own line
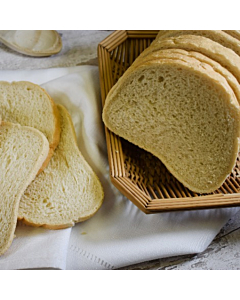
point(133, 191)
point(141, 34)
point(114, 39)
point(235, 184)
point(126, 58)
point(181, 191)
point(231, 185)
point(185, 203)
point(101, 73)
point(118, 155)
point(110, 155)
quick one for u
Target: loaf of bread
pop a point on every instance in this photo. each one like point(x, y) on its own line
point(182, 112)
point(226, 57)
point(22, 152)
point(218, 36)
point(28, 104)
point(233, 33)
point(67, 191)
point(194, 58)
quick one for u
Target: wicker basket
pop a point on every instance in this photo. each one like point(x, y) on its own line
point(140, 176)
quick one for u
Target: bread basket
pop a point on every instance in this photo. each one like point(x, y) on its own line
point(139, 175)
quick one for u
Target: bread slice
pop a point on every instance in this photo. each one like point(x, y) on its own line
point(194, 58)
point(185, 115)
point(218, 36)
point(28, 104)
point(159, 35)
point(22, 152)
point(233, 33)
point(224, 56)
point(67, 191)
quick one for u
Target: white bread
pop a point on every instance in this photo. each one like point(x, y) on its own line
point(194, 58)
point(159, 35)
point(22, 153)
point(233, 33)
point(182, 113)
point(28, 104)
point(218, 36)
point(224, 56)
point(67, 191)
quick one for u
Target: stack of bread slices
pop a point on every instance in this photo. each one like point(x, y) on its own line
point(45, 181)
point(180, 100)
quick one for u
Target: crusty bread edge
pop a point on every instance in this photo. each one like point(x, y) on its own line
point(224, 56)
point(28, 180)
point(56, 136)
point(186, 56)
point(101, 196)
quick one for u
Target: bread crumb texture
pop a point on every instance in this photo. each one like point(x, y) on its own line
point(182, 116)
point(22, 152)
point(67, 191)
point(27, 104)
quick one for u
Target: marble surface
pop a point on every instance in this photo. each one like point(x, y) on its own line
point(80, 47)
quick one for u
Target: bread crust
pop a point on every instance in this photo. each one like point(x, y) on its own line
point(194, 58)
point(224, 56)
point(56, 134)
point(233, 33)
point(45, 222)
point(28, 179)
point(54, 112)
point(218, 36)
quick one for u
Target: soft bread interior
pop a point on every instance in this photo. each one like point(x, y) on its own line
point(67, 191)
point(22, 152)
point(182, 115)
point(28, 104)
point(194, 58)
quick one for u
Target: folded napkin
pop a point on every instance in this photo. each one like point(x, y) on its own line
point(119, 234)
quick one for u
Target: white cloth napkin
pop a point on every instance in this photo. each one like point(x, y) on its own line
point(119, 234)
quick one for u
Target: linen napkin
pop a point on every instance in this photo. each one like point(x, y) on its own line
point(119, 234)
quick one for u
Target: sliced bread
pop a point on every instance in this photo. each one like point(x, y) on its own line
point(224, 56)
point(28, 104)
point(159, 35)
point(233, 33)
point(194, 58)
point(185, 115)
point(218, 36)
point(22, 152)
point(67, 191)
